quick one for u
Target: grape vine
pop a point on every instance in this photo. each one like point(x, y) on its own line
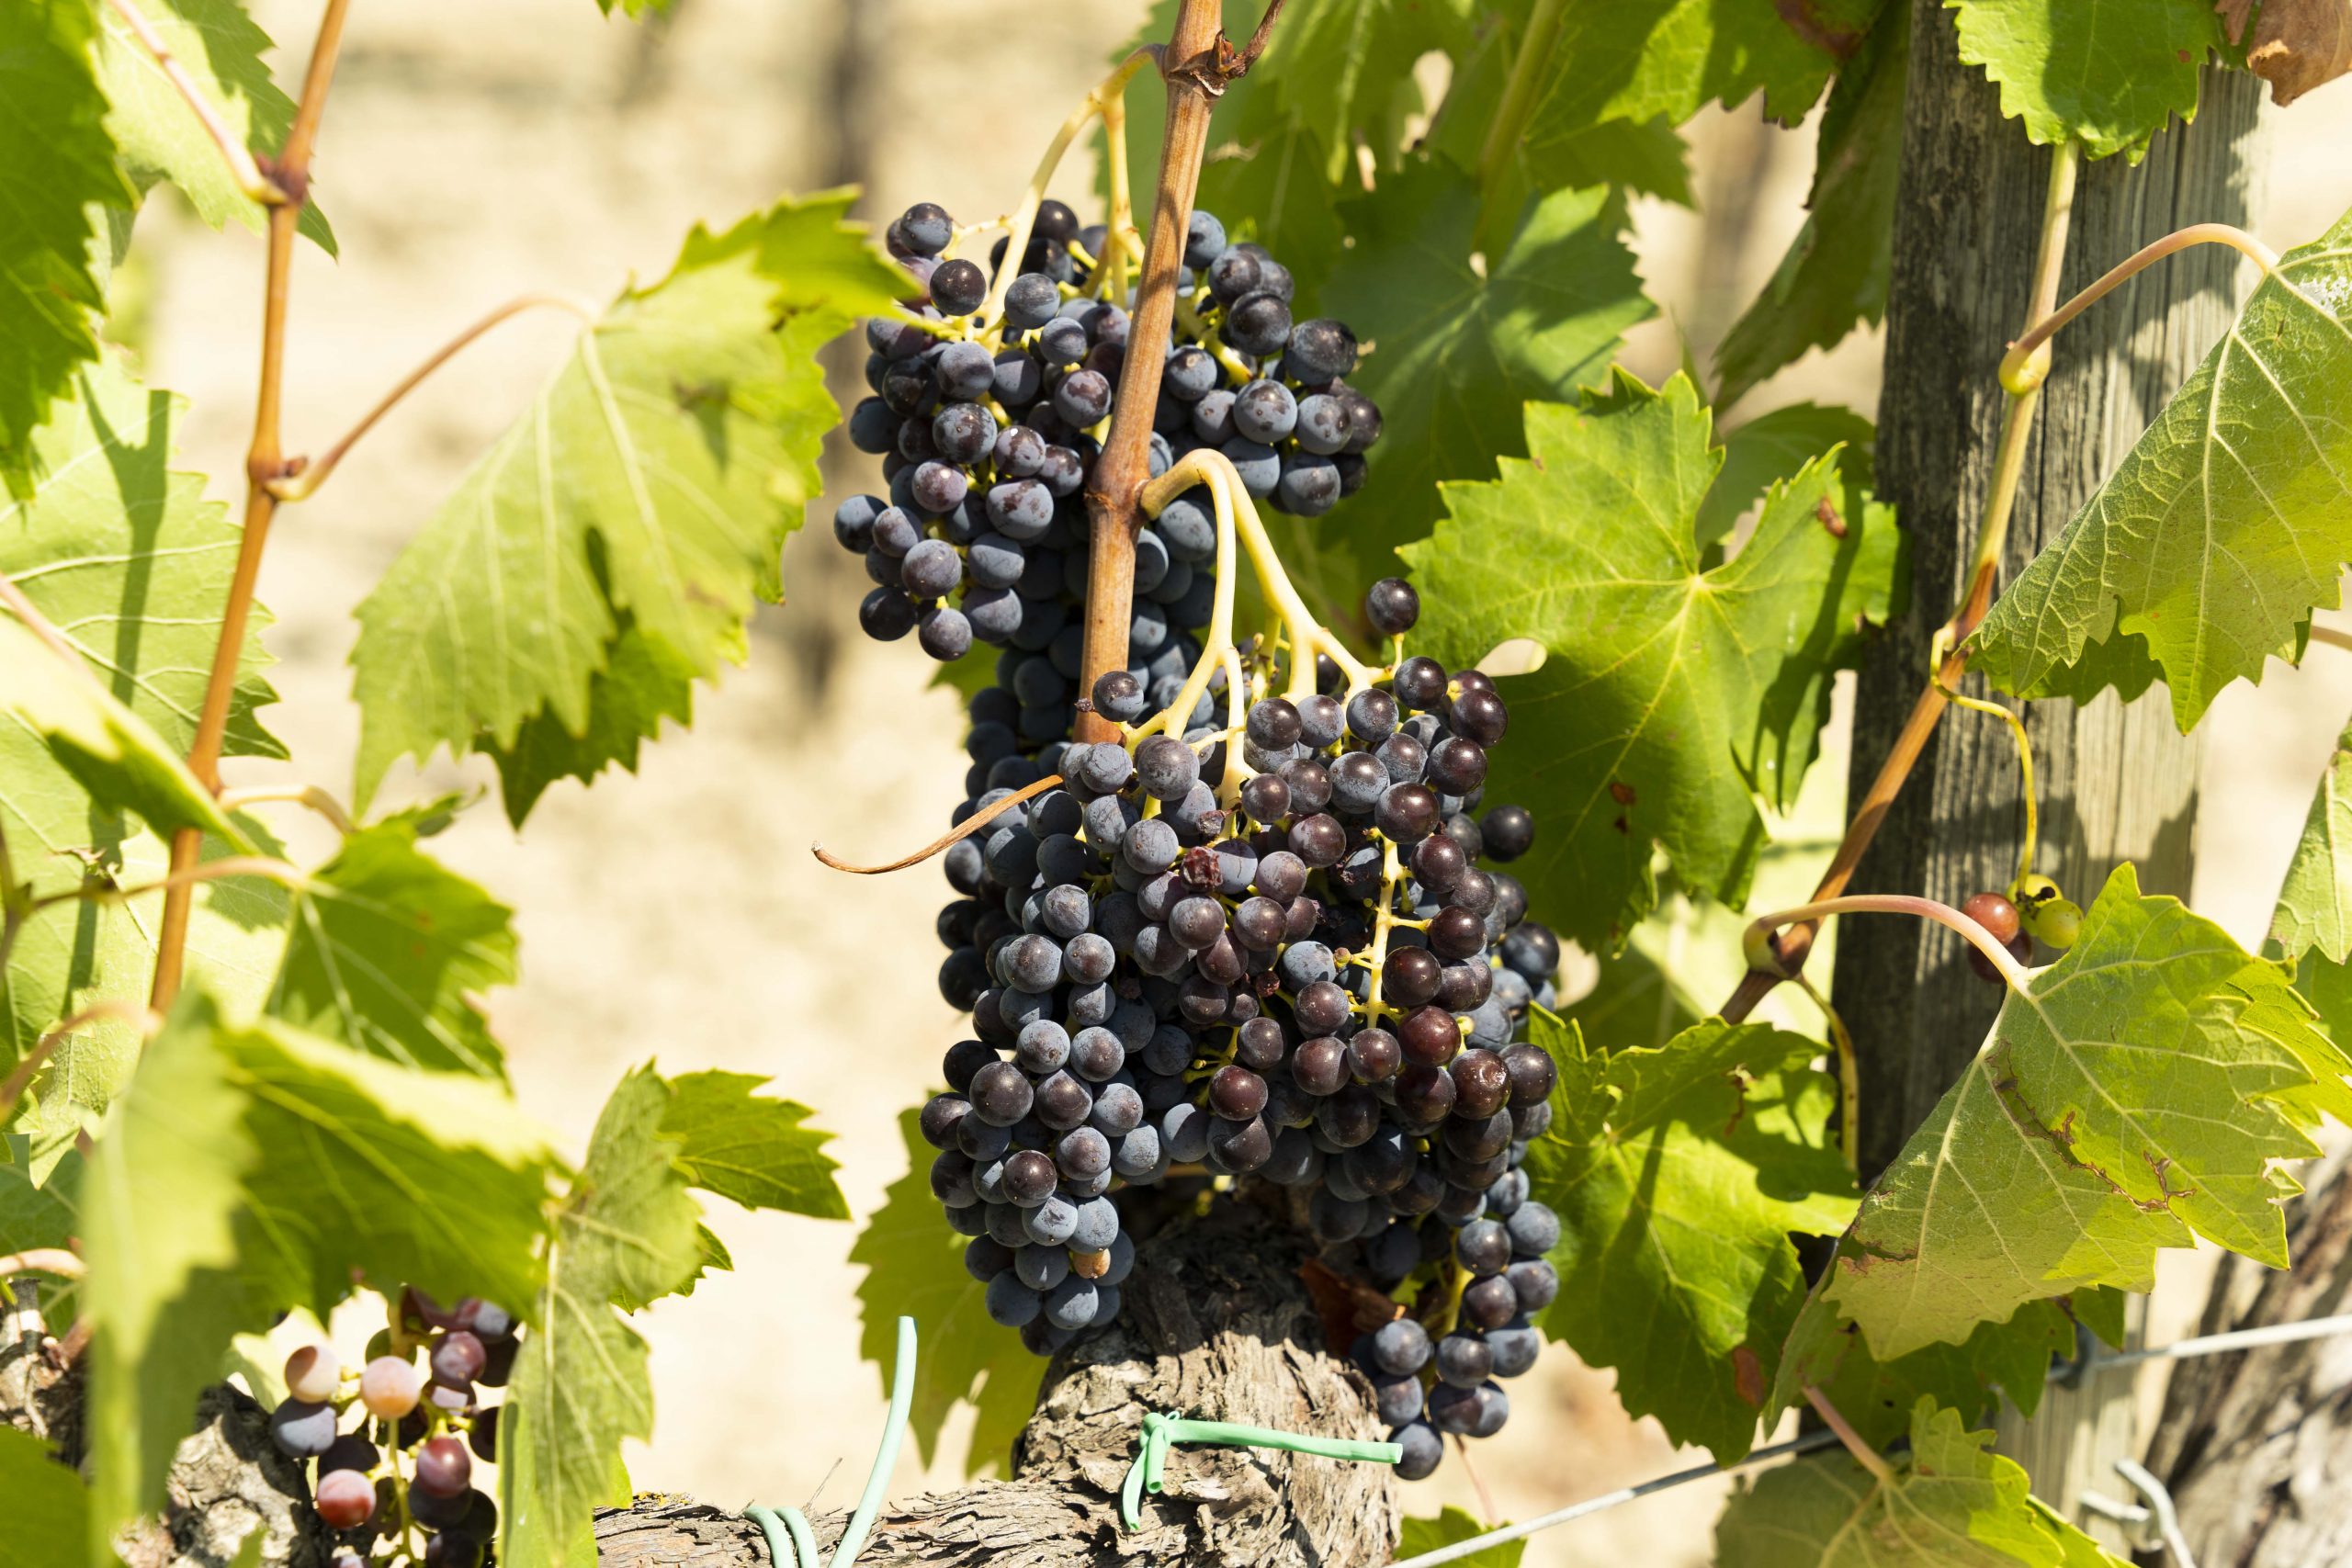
point(1345, 639)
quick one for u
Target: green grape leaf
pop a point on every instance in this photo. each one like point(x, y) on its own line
point(124, 554)
point(748, 1150)
point(1451, 1525)
point(628, 1234)
point(1677, 1175)
point(48, 1503)
point(1671, 693)
point(1456, 351)
point(249, 1168)
point(1951, 1502)
point(2314, 912)
point(2228, 521)
point(1773, 448)
point(635, 9)
point(36, 1212)
point(1340, 68)
point(1665, 59)
point(1836, 269)
point(2133, 1048)
point(109, 751)
point(160, 138)
point(914, 1265)
point(58, 174)
point(1264, 178)
point(2107, 76)
point(647, 493)
point(641, 685)
point(1877, 1396)
point(386, 949)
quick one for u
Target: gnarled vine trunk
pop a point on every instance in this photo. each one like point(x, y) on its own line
point(1219, 1324)
point(2255, 1446)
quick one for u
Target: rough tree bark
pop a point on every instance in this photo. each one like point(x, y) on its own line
point(1219, 1324)
point(2256, 1445)
point(2115, 782)
point(227, 1479)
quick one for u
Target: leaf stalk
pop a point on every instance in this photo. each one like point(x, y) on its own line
point(304, 477)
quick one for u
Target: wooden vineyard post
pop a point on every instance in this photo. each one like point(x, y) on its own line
point(2117, 782)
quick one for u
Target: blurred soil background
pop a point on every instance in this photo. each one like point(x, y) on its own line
point(473, 151)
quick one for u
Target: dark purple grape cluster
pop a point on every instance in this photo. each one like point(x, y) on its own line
point(987, 433)
point(1311, 981)
point(433, 1413)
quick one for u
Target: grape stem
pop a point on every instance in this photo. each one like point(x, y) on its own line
point(1949, 649)
point(1869, 1458)
point(264, 462)
point(20, 1078)
point(965, 829)
point(1119, 474)
point(244, 168)
point(304, 477)
point(1763, 952)
point(1024, 221)
point(1237, 518)
point(207, 870)
point(2333, 636)
point(1517, 100)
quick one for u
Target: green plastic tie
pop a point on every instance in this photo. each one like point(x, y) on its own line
point(1162, 1432)
point(791, 1543)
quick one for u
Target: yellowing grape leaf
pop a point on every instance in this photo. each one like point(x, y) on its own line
point(1835, 271)
point(751, 1149)
point(914, 1264)
point(1673, 691)
point(2135, 1094)
point(1950, 1502)
point(2225, 526)
point(1665, 59)
point(627, 1233)
point(246, 1169)
point(2107, 76)
point(159, 136)
point(1457, 349)
point(1983, 1212)
point(388, 947)
point(125, 556)
point(2133, 1048)
point(1677, 1175)
point(57, 175)
point(646, 492)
